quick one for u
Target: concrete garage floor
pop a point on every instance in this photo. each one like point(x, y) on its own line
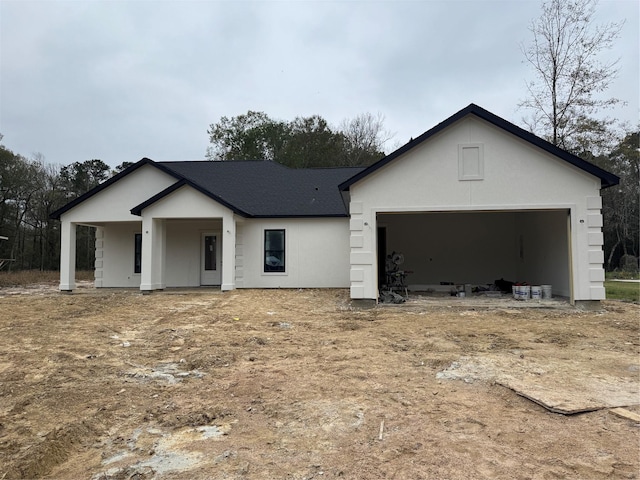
point(480, 300)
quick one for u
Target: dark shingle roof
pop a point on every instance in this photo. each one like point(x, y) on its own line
point(269, 189)
point(249, 188)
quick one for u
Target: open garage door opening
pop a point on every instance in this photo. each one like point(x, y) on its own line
point(478, 248)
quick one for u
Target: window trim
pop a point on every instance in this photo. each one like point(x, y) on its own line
point(214, 256)
point(137, 253)
point(264, 252)
point(471, 168)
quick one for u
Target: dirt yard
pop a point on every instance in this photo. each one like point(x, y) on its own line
point(288, 384)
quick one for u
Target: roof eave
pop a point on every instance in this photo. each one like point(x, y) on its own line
point(330, 215)
point(144, 161)
point(607, 179)
point(137, 210)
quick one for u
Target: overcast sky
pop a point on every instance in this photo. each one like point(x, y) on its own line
point(122, 80)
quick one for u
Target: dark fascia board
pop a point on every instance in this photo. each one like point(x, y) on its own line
point(607, 179)
point(137, 210)
point(333, 215)
point(145, 161)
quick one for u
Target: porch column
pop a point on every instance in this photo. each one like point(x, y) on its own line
point(153, 254)
point(228, 253)
point(67, 256)
point(362, 257)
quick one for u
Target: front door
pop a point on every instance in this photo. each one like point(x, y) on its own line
point(210, 249)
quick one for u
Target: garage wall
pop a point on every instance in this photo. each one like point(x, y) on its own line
point(475, 248)
point(543, 250)
point(509, 174)
point(316, 250)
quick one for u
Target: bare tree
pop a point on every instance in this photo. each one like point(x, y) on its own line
point(365, 136)
point(569, 74)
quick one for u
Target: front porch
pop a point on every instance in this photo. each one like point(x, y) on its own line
point(156, 253)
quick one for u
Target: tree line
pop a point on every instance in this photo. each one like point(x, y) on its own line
point(30, 191)
point(304, 142)
point(564, 101)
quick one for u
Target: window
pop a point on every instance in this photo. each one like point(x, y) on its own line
point(274, 251)
point(209, 252)
point(137, 255)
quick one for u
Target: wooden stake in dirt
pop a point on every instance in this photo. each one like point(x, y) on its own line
point(381, 430)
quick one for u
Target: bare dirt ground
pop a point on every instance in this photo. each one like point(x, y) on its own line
point(288, 384)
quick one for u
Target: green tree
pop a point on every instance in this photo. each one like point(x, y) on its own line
point(77, 179)
point(251, 136)
point(80, 177)
point(311, 143)
point(303, 142)
point(45, 232)
point(621, 203)
point(30, 190)
point(569, 77)
point(122, 166)
point(19, 187)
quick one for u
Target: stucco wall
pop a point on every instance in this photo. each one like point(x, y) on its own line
point(115, 263)
point(543, 250)
point(184, 250)
point(317, 253)
point(185, 203)
point(515, 176)
point(114, 204)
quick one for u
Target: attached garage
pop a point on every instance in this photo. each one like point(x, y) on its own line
point(477, 199)
point(479, 247)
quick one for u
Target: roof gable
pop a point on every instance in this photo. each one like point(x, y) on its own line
point(260, 189)
point(107, 183)
point(607, 179)
point(264, 189)
point(137, 210)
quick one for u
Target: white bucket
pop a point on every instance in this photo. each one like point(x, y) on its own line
point(546, 292)
point(522, 292)
point(536, 293)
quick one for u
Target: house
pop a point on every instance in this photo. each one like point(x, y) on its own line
point(472, 200)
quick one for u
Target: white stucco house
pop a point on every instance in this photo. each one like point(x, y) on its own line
point(471, 200)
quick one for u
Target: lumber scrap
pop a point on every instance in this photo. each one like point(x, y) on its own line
point(624, 413)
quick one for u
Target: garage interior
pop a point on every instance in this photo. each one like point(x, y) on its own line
point(478, 248)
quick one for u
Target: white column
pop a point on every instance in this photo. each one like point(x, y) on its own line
point(153, 253)
point(146, 273)
point(67, 256)
point(228, 253)
point(159, 253)
point(99, 261)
